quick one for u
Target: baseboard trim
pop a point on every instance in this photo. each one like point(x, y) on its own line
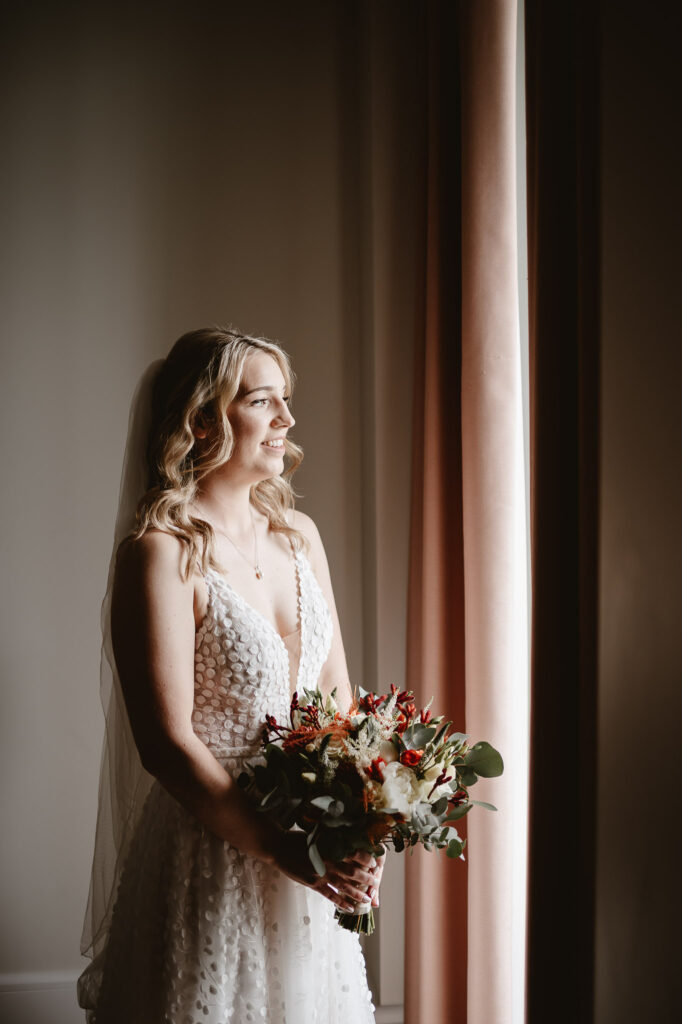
point(389, 1015)
point(42, 981)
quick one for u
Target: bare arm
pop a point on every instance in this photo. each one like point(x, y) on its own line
point(153, 633)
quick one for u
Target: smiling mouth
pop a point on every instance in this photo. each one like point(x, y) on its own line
point(276, 445)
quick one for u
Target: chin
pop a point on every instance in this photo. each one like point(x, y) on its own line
point(268, 473)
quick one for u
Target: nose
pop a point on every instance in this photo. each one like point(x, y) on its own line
point(284, 415)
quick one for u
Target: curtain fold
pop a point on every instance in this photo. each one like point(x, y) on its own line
point(562, 103)
point(495, 546)
point(436, 889)
point(467, 594)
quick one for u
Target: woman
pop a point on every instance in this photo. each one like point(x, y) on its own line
point(219, 607)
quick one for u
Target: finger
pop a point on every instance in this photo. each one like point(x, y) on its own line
point(378, 872)
point(348, 889)
point(366, 860)
point(340, 899)
point(357, 892)
point(344, 873)
point(374, 896)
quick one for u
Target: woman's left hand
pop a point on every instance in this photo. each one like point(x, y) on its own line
point(360, 871)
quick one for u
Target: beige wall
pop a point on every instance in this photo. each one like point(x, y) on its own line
point(160, 173)
point(638, 903)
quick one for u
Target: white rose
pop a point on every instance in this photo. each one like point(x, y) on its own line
point(397, 789)
point(425, 784)
point(387, 751)
point(423, 788)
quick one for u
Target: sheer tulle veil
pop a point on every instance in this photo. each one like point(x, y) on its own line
point(123, 784)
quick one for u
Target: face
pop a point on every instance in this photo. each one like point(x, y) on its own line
point(260, 418)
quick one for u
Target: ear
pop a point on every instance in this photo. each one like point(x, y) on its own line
point(200, 426)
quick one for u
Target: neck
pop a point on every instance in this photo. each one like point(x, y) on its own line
point(226, 506)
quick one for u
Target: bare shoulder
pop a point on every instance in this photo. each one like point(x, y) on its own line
point(301, 521)
point(156, 556)
point(306, 525)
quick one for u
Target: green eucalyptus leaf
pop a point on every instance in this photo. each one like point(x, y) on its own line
point(418, 735)
point(441, 732)
point(485, 760)
point(466, 775)
point(482, 803)
point(455, 847)
point(323, 802)
point(337, 822)
point(458, 812)
point(440, 806)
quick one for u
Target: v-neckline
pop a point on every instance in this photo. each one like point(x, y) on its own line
point(246, 604)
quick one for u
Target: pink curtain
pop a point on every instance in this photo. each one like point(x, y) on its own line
point(467, 634)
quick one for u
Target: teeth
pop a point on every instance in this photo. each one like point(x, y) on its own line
point(274, 444)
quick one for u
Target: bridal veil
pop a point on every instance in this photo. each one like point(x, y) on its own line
point(123, 783)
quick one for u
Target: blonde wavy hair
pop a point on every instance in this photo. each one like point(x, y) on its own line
point(199, 378)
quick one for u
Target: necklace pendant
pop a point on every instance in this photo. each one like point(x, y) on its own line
point(259, 572)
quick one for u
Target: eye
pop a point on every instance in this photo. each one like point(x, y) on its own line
point(259, 401)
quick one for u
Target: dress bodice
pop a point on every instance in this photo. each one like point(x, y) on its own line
point(243, 668)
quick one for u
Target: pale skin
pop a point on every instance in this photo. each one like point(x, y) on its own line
point(156, 613)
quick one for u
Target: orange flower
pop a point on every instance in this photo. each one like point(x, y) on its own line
point(411, 757)
point(299, 737)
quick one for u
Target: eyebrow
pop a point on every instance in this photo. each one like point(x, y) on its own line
point(263, 387)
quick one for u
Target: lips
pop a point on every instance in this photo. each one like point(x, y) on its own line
point(275, 444)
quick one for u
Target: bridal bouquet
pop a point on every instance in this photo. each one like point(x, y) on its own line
point(384, 773)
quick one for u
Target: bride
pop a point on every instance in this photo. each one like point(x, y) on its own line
point(219, 606)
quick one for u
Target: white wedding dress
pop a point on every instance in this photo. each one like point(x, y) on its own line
point(201, 933)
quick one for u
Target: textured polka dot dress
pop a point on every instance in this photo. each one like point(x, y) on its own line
point(201, 933)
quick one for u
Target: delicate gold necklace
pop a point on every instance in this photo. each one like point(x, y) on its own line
point(256, 566)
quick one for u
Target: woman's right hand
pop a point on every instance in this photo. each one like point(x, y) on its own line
point(345, 884)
